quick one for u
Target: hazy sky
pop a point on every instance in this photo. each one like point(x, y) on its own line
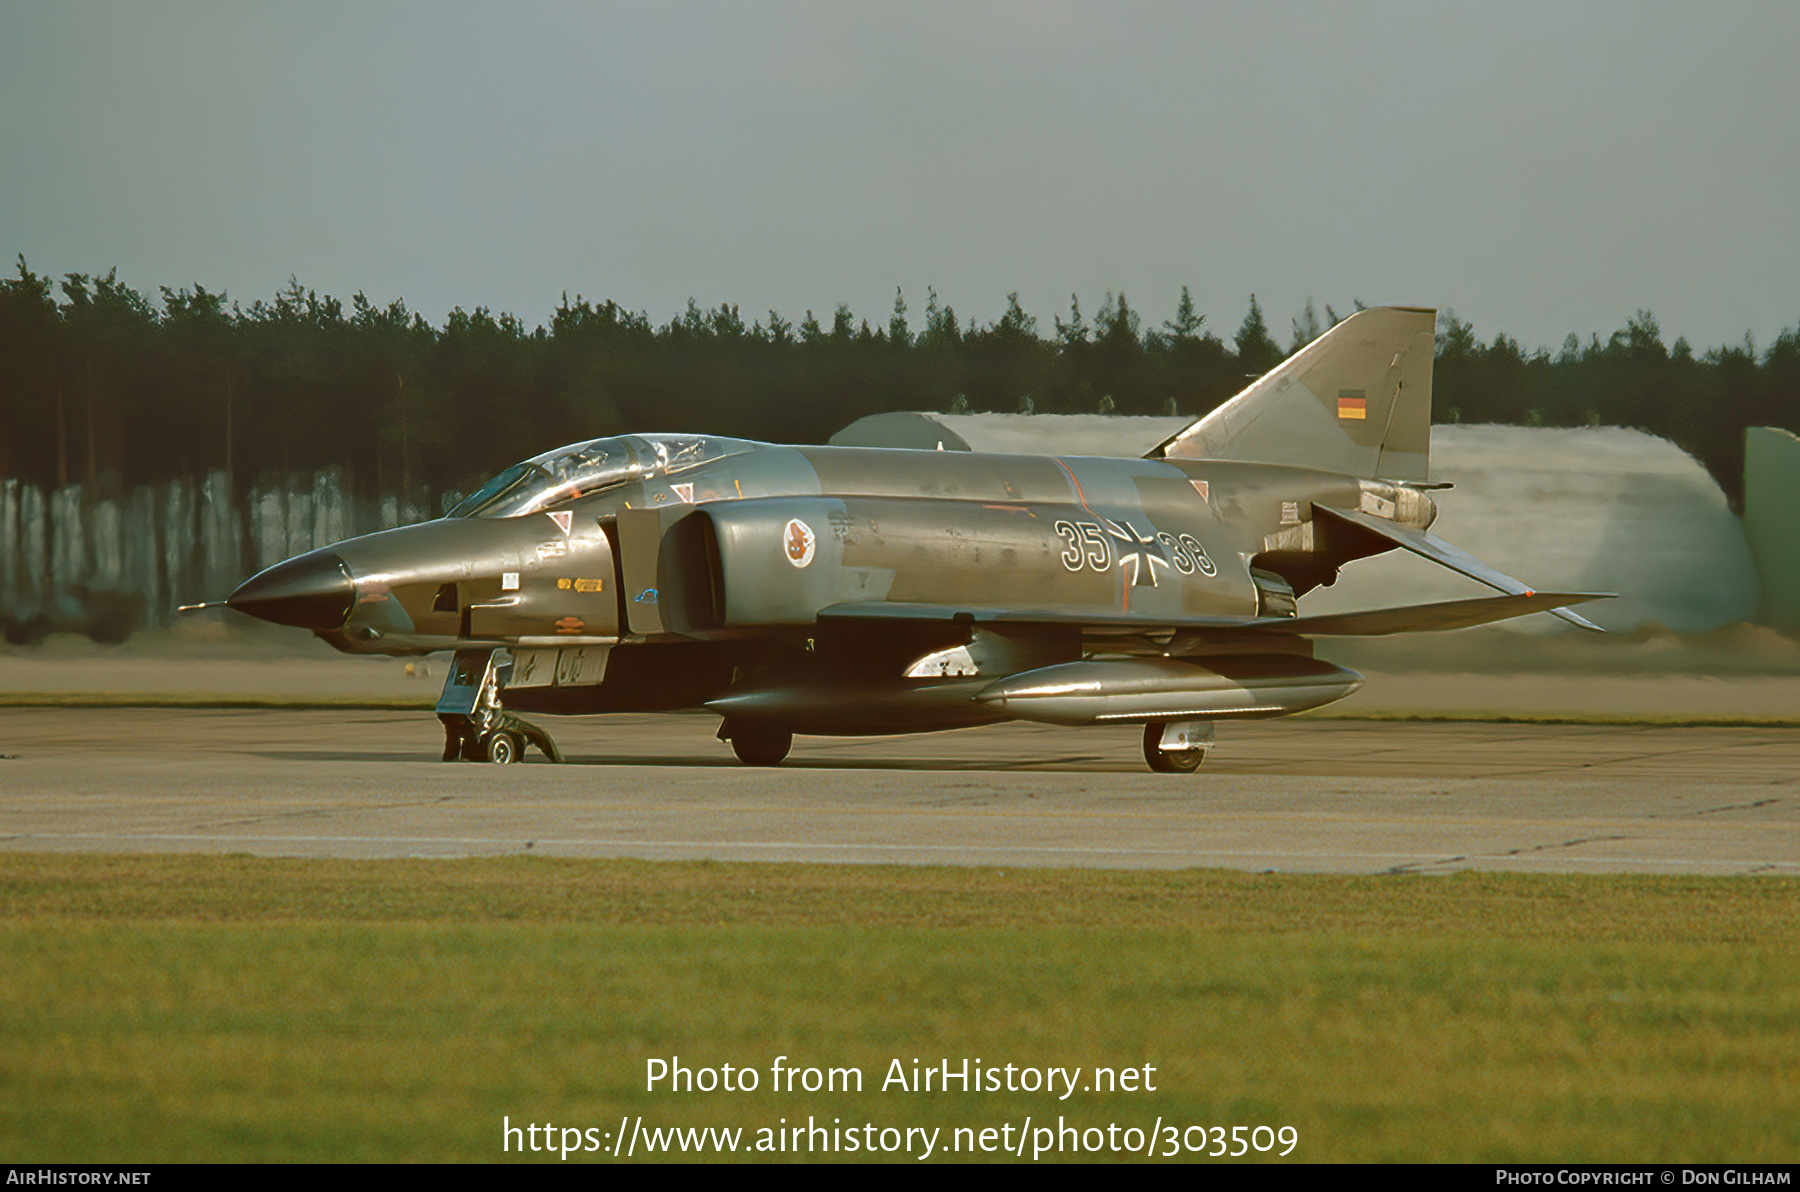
point(1540, 167)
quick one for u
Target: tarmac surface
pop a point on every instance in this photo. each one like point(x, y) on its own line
point(1290, 795)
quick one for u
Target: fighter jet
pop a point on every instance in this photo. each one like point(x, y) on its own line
point(863, 590)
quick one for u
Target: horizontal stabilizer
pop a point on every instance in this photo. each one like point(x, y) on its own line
point(1431, 547)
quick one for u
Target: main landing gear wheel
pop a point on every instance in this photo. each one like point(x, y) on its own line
point(1164, 761)
point(760, 746)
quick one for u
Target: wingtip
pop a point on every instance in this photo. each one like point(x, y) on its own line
point(1576, 619)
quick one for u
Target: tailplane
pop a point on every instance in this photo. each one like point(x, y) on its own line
point(1357, 400)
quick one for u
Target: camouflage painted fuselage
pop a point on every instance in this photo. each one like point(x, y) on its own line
point(822, 570)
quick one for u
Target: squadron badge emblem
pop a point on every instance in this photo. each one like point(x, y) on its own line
point(799, 541)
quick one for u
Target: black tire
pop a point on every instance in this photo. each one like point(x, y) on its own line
point(761, 746)
point(504, 749)
point(1162, 761)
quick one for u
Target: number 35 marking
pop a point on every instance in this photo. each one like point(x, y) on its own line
point(1085, 545)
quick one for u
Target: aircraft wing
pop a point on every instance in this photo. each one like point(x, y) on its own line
point(1412, 618)
point(1431, 547)
point(893, 610)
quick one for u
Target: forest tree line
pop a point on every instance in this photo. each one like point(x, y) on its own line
point(101, 385)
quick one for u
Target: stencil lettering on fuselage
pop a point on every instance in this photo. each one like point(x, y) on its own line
point(1087, 546)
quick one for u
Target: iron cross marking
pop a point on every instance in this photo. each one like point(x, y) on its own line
point(1141, 554)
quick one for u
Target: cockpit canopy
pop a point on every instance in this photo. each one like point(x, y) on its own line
point(579, 469)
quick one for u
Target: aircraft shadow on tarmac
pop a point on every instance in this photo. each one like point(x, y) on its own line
point(1076, 763)
point(316, 755)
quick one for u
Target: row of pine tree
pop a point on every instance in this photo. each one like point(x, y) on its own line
point(100, 384)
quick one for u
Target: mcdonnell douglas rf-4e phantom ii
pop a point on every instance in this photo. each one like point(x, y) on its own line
point(865, 590)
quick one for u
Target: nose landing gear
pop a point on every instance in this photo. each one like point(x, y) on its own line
point(476, 726)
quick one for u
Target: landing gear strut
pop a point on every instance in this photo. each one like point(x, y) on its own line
point(476, 726)
point(1177, 747)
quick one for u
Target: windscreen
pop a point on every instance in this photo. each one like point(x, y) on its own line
point(579, 469)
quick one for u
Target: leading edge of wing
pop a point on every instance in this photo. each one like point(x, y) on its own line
point(894, 610)
point(1411, 618)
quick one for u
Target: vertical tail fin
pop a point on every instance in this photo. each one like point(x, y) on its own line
point(1356, 400)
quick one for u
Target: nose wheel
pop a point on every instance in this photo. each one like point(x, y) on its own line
point(503, 749)
point(502, 745)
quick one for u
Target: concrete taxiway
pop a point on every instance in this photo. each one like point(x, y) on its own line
point(1294, 795)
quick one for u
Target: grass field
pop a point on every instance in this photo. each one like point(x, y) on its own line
point(231, 1008)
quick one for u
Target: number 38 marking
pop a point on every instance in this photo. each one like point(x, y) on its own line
point(1190, 556)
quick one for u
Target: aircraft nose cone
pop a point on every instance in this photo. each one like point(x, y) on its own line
point(313, 591)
